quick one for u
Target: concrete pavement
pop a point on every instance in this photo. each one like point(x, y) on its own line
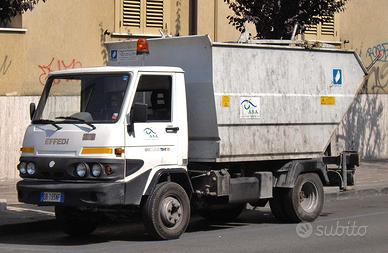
point(346, 226)
point(371, 179)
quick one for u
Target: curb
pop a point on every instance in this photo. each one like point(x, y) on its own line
point(357, 193)
point(3, 205)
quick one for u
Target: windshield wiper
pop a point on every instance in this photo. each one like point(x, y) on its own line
point(47, 121)
point(78, 120)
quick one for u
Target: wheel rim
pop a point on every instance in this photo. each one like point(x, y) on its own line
point(171, 212)
point(308, 197)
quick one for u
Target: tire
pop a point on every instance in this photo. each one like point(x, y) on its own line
point(222, 213)
point(75, 222)
point(276, 204)
point(166, 212)
point(304, 202)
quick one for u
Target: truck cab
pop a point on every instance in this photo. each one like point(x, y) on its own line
point(98, 136)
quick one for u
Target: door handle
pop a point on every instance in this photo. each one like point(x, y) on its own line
point(171, 130)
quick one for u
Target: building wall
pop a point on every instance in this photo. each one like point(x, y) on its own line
point(212, 20)
point(14, 119)
point(363, 24)
point(58, 36)
point(365, 126)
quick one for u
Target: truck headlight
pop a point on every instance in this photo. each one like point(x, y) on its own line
point(22, 168)
point(31, 168)
point(81, 169)
point(96, 170)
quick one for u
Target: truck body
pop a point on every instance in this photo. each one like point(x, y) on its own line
point(176, 124)
point(285, 83)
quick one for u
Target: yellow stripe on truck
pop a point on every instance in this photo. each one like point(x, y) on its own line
point(97, 151)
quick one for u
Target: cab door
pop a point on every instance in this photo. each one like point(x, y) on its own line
point(154, 130)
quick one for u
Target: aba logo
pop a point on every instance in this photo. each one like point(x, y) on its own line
point(249, 107)
point(338, 78)
point(150, 133)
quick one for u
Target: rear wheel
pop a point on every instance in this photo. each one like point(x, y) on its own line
point(166, 213)
point(75, 222)
point(222, 213)
point(303, 203)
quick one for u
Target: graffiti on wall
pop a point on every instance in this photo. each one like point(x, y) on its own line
point(56, 65)
point(377, 81)
point(379, 52)
point(5, 64)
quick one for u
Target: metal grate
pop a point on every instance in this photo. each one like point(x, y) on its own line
point(131, 13)
point(154, 16)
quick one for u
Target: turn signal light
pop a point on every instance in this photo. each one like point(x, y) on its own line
point(119, 151)
point(27, 150)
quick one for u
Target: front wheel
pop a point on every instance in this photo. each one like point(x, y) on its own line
point(166, 213)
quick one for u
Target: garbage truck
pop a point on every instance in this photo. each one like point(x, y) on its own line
point(173, 126)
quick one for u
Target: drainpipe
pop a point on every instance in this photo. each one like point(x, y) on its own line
point(215, 19)
point(193, 17)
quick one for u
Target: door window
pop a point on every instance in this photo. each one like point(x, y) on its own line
point(155, 93)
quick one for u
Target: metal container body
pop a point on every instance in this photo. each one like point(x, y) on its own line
point(300, 97)
point(250, 102)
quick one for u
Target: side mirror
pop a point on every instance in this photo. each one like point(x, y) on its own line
point(139, 113)
point(32, 110)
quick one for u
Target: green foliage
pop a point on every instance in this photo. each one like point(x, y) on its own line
point(12, 8)
point(275, 19)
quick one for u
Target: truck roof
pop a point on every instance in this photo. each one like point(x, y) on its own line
point(97, 70)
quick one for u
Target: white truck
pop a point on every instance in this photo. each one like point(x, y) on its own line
point(176, 125)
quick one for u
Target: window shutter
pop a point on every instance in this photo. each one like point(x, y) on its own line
point(327, 28)
point(131, 13)
point(154, 14)
point(323, 31)
point(312, 30)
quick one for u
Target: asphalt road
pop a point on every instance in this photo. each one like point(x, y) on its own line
point(350, 225)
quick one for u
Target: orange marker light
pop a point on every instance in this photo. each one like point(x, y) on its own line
point(27, 149)
point(142, 47)
point(119, 151)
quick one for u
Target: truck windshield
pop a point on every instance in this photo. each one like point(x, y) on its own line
point(91, 98)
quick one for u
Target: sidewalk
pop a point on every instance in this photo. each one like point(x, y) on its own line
point(371, 180)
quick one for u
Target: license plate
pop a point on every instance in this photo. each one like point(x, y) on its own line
point(56, 197)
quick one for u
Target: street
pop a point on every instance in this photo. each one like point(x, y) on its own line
point(347, 225)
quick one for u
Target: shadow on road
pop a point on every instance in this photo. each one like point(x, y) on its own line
point(47, 232)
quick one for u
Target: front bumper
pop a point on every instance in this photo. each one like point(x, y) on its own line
point(85, 194)
point(75, 194)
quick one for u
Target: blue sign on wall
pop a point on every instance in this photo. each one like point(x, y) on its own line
point(113, 55)
point(338, 77)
